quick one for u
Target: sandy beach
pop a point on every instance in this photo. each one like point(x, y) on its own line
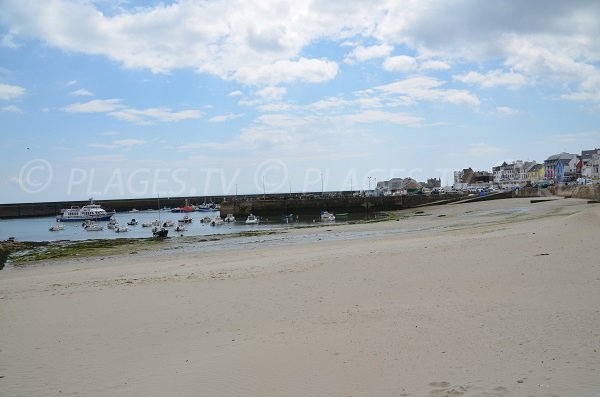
point(496, 298)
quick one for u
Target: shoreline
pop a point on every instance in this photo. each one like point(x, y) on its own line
point(496, 298)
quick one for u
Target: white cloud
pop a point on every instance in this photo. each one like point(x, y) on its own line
point(8, 41)
point(434, 65)
point(361, 54)
point(12, 109)
point(152, 115)
point(272, 93)
point(224, 117)
point(122, 143)
point(81, 92)
point(507, 111)
point(493, 78)
point(377, 116)
point(423, 88)
point(310, 70)
point(400, 63)
point(235, 93)
point(8, 91)
point(94, 106)
point(482, 149)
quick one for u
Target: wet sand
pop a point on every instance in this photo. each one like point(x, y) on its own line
point(486, 299)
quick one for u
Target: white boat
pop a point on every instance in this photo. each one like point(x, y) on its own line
point(150, 224)
point(169, 223)
point(206, 219)
point(327, 217)
point(185, 219)
point(121, 229)
point(132, 222)
point(112, 224)
point(91, 211)
point(134, 210)
point(92, 226)
point(230, 218)
point(252, 220)
point(180, 228)
point(56, 227)
point(217, 221)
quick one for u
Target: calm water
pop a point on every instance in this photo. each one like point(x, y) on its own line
point(36, 229)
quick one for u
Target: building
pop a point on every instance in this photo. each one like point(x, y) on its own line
point(397, 186)
point(535, 173)
point(561, 167)
point(589, 164)
point(467, 177)
point(513, 174)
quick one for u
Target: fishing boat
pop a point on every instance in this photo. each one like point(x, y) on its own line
point(252, 220)
point(88, 212)
point(132, 222)
point(185, 208)
point(56, 227)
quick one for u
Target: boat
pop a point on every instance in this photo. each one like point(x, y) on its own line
point(91, 211)
point(327, 216)
point(132, 222)
point(134, 210)
point(168, 223)
point(156, 222)
point(92, 226)
point(185, 219)
point(112, 224)
point(56, 227)
point(217, 221)
point(121, 229)
point(185, 208)
point(159, 231)
point(252, 220)
point(206, 219)
point(180, 228)
point(230, 218)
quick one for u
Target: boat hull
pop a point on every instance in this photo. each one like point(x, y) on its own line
point(106, 217)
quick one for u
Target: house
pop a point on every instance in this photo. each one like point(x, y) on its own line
point(535, 173)
point(468, 177)
point(561, 167)
point(398, 186)
point(589, 164)
point(513, 174)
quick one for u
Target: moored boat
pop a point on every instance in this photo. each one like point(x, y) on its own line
point(327, 216)
point(252, 220)
point(56, 227)
point(93, 212)
point(230, 218)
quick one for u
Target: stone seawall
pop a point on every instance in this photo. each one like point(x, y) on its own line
point(589, 192)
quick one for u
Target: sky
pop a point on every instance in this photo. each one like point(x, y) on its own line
point(125, 99)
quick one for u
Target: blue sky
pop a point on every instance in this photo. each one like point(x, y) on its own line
point(118, 99)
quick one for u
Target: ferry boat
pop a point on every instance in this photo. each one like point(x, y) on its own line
point(92, 212)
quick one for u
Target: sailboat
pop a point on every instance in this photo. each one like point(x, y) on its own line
point(158, 231)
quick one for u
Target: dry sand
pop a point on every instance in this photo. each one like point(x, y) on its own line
point(491, 299)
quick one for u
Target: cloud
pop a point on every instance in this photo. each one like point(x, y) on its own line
point(482, 149)
point(376, 116)
point(400, 63)
point(12, 109)
point(224, 117)
point(8, 91)
point(152, 115)
point(434, 65)
point(122, 143)
point(423, 88)
point(81, 92)
point(309, 70)
point(94, 106)
point(493, 78)
point(507, 111)
point(361, 54)
point(115, 109)
point(272, 93)
point(235, 93)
